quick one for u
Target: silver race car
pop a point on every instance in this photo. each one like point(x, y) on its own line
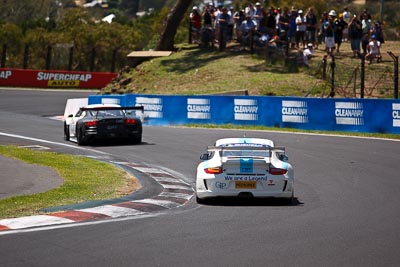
point(103, 121)
point(251, 167)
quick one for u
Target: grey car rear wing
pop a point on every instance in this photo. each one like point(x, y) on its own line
point(113, 108)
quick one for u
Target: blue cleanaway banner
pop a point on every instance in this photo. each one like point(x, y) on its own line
point(330, 114)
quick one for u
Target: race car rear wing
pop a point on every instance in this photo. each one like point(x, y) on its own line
point(268, 148)
point(279, 152)
point(113, 108)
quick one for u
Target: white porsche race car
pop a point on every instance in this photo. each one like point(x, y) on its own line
point(251, 167)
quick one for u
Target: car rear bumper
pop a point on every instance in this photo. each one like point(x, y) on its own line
point(256, 194)
point(113, 134)
point(270, 188)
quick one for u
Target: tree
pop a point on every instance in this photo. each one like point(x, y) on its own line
point(18, 11)
point(131, 7)
point(166, 42)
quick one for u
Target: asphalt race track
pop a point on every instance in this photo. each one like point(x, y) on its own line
point(347, 211)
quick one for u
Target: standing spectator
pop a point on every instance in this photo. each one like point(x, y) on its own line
point(238, 17)
point(284, 20)
point(195, 22)
point(207, 16)
point(365, 12)
point(211, 7)
point(301, 30)
point(247, 29)
point(378, 31)
point(311, 26)
point(321, 32)
point(277, 13)
point(268, 23)
point(217, 12)
point(258, 13)
point(355, 34)
point(366, 31)
point(231, 23)
point(223, 19)
point(250, 10)
point(329, 28)
point(292, 28)
point(207, 32)
point(262, 26)
point(346, 18)
point(340, 25)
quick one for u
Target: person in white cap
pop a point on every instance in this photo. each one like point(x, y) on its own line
point(300, 30)
point(332, 13)
point(258, 13)
point(346, 18)
point(308, 53)
point(195, 22)
point(329, 30)
point(373, 50)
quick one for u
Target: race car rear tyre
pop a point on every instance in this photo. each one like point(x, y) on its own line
point(290, 201)
point(137, 139)
point(80, 138)
point(201, 200)
point(66, 132)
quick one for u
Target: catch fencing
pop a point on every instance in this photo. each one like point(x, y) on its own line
point(362, 80)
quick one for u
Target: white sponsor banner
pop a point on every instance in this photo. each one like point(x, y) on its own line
point(63, 76)
point(245, 109)
point(110, 101)
point(153, 107)
point(198, 108)
point(349, 113)
point(294, 111)
point(396, 114)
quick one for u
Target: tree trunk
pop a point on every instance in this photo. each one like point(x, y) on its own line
point(166, 42)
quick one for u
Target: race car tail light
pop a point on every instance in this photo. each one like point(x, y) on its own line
point(213, 170)
point(277, 171)
point(130, 121)
point(91, 123)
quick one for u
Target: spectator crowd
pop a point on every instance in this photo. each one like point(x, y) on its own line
point(287, 28)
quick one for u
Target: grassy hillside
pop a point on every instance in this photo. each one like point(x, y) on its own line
point(206, 71)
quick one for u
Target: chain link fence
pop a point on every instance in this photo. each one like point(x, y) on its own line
point(358, 79)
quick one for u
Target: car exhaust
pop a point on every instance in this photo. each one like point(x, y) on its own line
point(245, 195)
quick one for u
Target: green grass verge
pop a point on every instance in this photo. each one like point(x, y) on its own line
point(84, 180)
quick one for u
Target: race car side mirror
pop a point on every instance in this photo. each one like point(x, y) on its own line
point(205, 156)
point(70, 115)
point(283, 157)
